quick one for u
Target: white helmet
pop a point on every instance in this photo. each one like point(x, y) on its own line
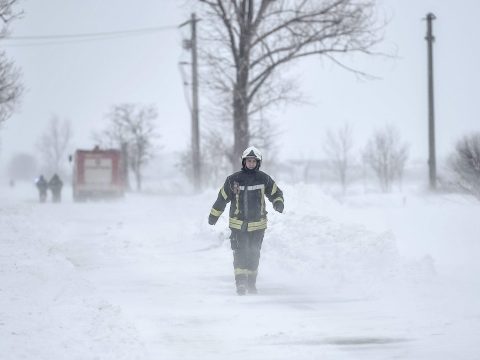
point(252, 152)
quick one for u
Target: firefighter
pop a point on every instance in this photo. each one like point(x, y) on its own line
point(42, 187)
point(246, 191)
point(55, 185)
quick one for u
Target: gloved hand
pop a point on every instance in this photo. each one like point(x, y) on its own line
point(212, 220)
point(278, 206)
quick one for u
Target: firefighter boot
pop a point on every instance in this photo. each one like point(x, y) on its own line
point(241, 282)
point(251, 283)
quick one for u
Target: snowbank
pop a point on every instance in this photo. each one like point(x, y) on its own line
point(367, 277)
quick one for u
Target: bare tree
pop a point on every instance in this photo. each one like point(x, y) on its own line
point(53, 145)
point(387, 156)
point(22, 166)
point(132, 125)
point(465, 163)
point(10, 86)
point(249, 42)
point(214, 163)
point(217, 159)
point(338, 148)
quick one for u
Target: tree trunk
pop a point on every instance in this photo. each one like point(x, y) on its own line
point(240, 117)
point(138, 178)
point(240, 128)
point(240, 91)
point(124, 150)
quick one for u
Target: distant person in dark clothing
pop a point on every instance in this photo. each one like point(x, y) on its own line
point(42, 187)
point(55, 185)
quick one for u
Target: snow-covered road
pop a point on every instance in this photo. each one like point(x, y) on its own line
point(147, 278)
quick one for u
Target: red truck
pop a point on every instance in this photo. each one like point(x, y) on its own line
point(98, 174)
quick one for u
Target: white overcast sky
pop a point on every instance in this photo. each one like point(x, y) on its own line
point(80, 81)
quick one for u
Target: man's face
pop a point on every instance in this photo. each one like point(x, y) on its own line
point(251, 163)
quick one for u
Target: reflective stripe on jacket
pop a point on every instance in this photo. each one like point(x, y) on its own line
point(246, 191)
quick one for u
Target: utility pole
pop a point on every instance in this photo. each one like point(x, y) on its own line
point(195, 111)
point(192, 46)
point(431, 113)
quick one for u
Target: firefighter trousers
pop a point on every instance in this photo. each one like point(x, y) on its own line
point(246, 247)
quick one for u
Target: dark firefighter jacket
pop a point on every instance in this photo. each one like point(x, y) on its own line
point(246, 190)
point(55, 184)
point(42, 184)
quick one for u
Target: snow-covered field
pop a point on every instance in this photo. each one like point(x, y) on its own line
point(373, 277)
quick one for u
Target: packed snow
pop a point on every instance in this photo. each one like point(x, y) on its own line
point(368, 276)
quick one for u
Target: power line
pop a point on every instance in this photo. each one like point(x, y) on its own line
point(87, 35)
point(19, 41)
point(67, 42)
